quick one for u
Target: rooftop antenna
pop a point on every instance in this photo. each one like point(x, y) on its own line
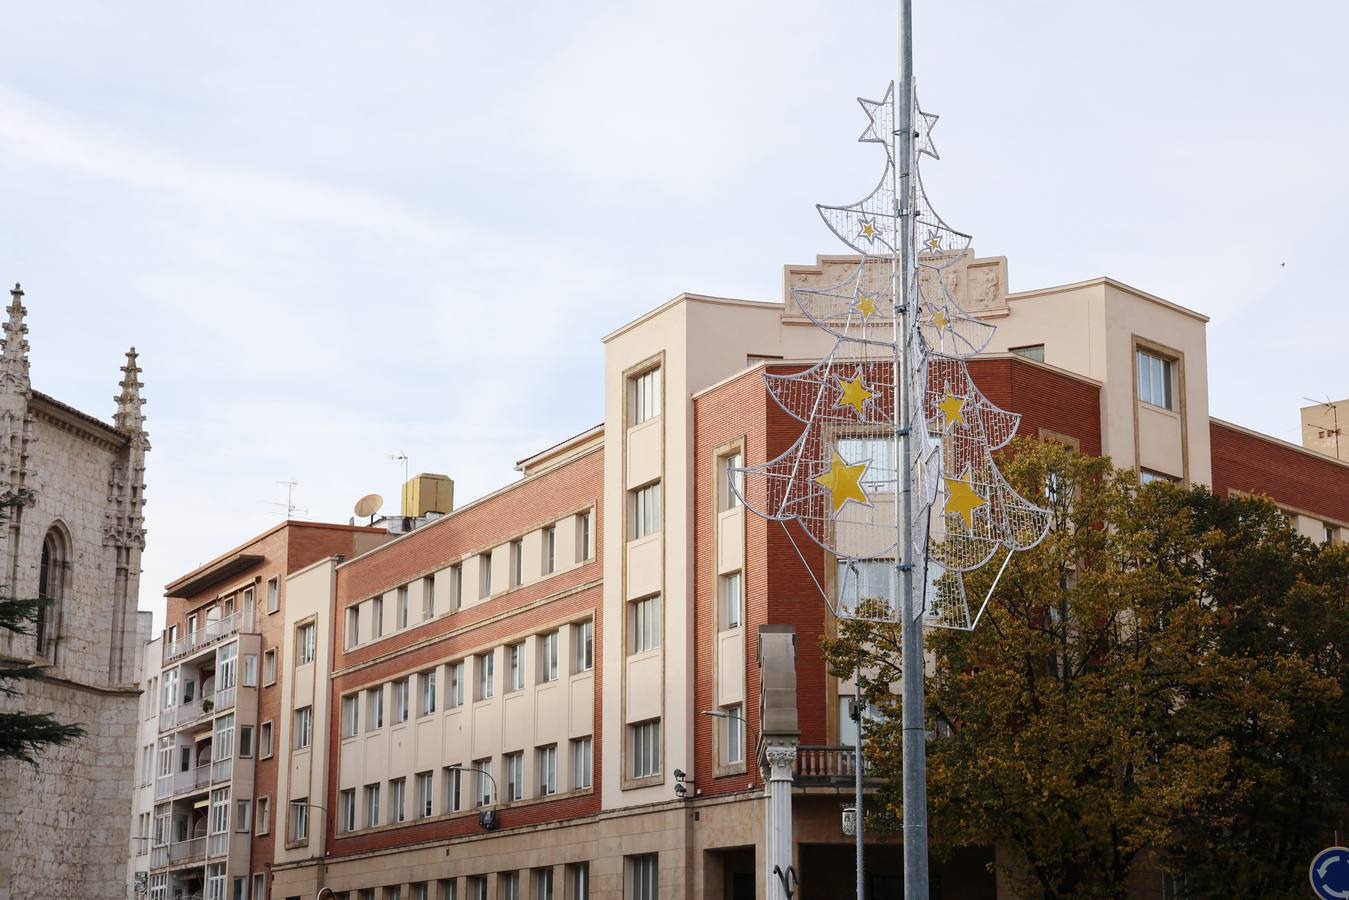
point(1334, 420)
point(289, 506)
point(401, 455)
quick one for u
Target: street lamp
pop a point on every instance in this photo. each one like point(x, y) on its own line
point(723, 714)
point(487, 819)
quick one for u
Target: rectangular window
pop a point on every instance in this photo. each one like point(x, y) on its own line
point(730, 600)
point(260, 886)
point(644, 624)
point(265, 740)
point(425, 795)
point(484, 664)
point(733, 482)
point(426, 703)
point(643, 874)
point(645, 748)
point(243, 815)
point(250, 676)
point(456, 587)
point(377, 617)
point(398, 799)
point(225, 663)
point(238, 885)
point(584, 537)
point(548, 657)
point(581, 750)
point(866, 581)
point(304, 727)
point(428, 597)
point(549, 550)
point(732, 734)
point(583, 646)
point(400, 701)
point(543, 884)
point(510, 885)
point(1031, 351)
point(644, 509)
point(245, 741)
point(454, 794)
point(264, 815)
point(304, 644)
point(371, 805)
point(517, 563)
point(374, 708)
point(346, 810)
point(273, 594)
point(547, 763)
point(578, 881)
point(456, 697)
point(353, 625)
point(645, 396)
point(269, 666)
point(482, 782)
point(878, 453)
point(1154, 380)
point(299, 819)
point(515, 776)
point(351, 717)
point(515, 657)
point(477, 887)
point(1147, 476)
point(402, 607)
point(420, 891)
point(485, 575)
point(447, 889)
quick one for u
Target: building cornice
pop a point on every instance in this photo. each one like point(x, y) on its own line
point(1107, 281)
point(71, 420)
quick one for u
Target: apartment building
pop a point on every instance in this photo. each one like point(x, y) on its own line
point(603, 679)
point(212, 692)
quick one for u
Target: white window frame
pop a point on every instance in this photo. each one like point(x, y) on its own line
point(732, 600)
point(582, 763)
point(273, 594)
point(546, 769)
point(548, 664)
point(646, 748)
point(644, 624)
point(583, 646)
point(306, 634)
point(304, 727)
point(426, 702)
point(646, 395)
point(645, 511)
point(485, 664)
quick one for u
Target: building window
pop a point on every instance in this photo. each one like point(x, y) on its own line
point(273, 594)
point(250, 675)
point(879, 453)
point(454, 794)
point(482, 782)
point(425, 795)
point(578, 881)
point(374, 706)
point(543, 884)
point(456, 587)
point(646, 748)
point(456, 697)
point(517, 563)
point(371, 805)
point(866, 580)
point(550, 550)
point(420, 891)
point(260, 886)
point(1148, 476)
point(583, 646)
point(645, 511)
point(1328, 533)
point(400, 701)
point(547, 763)
point(644, 624)
point(581, 761)
point(346, 810)
point(299, 819)
point(1031, 351)
point(245, 741)
point(1154, 380)
point(642, 870)
point(377, 617)
point(485, 663)
point(353, 625)
point(402, 607)
point(732, 734)
point(731, 600)
point(477, 887)
point(583, 537)
point(243, 815)
point(304, 644)
point(732, 480)
point(351, 717)
point(265, 740)
point(269, 666)
point(515, 656)
point(427, 701)
point(263, 811)
point(225, 668)
point(645, 396)
point(485, 577)
point(51, 587)
point(548, 657)
point(398, 799)
point(304, 727)
point(510, 885)
point(515, 776)
point(448, 889)
point(428, 598)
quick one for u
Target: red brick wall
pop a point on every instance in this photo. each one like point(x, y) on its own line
point(1044, 398)
point(1255, 465)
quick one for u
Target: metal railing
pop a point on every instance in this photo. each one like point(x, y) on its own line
point(239, 620)
point(828, 764)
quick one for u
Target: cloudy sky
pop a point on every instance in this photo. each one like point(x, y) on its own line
point(337, 231)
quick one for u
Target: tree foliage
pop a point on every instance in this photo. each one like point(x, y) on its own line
point(24, 735)
point(1160, 682)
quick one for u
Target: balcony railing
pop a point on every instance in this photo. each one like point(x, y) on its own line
point(187, 851)
point(828, 765)
point(240, 620)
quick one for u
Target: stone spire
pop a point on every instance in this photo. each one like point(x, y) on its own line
point(129, 419)
point(14, 355)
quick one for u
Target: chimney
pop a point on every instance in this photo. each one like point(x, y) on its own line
point(428, 493)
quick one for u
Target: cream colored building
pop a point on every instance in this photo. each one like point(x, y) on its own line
point(1323, 428)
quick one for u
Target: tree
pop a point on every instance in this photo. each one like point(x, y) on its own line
point(23, 735)
point(1123, 698)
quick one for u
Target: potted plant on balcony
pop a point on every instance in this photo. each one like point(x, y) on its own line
point(207, 705)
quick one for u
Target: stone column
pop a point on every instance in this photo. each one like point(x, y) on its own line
point(778, 817)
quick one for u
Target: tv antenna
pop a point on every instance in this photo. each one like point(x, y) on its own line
point(401, 456)
point(1334, 420)
point(289, 506)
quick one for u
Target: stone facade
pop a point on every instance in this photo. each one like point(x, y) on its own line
point(78, 541)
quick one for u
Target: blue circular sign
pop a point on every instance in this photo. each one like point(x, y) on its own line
point(1330, 874)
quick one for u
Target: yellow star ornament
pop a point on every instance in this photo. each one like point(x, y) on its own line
point(962, 499)
point(939, 319)
point(868, 230)
point(855, 393)
point(843, 482)
point(952, 409)
point(866, 306)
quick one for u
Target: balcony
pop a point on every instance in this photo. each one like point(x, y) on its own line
point(178, 853)
point(208, 634)
point(829, 766)
point(221, 769)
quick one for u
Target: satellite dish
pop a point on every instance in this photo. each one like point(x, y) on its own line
point(369, 505)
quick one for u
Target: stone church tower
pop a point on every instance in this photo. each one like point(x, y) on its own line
point(64, 823)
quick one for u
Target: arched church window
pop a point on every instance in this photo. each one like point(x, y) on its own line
point(50, 587)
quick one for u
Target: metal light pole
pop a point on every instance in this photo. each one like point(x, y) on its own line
point(858, 829)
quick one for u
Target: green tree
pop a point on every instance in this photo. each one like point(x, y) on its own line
point(23, 735)
point(1120, 700)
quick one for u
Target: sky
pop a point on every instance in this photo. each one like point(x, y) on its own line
point(338, 232)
